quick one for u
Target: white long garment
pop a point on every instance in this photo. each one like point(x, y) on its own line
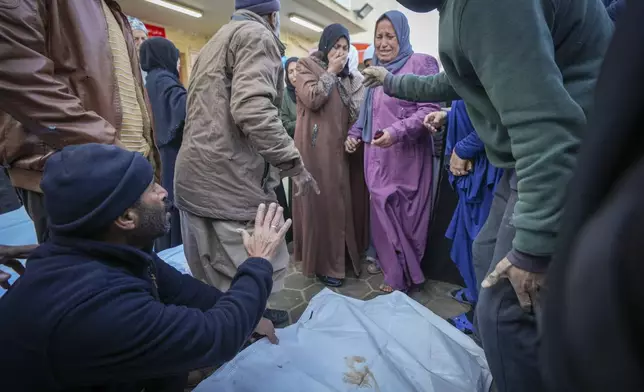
point(353, 59)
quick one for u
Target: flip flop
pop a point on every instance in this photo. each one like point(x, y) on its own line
point(462, 324)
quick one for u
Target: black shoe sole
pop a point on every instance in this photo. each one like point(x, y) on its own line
point(282, 319)
point(329, 284)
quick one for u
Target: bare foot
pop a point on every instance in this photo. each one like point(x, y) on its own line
point(385, 288)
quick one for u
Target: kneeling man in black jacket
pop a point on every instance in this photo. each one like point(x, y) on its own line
point(96, 309)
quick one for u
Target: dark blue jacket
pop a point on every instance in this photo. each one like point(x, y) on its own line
point(615, 8)
point(91, 316)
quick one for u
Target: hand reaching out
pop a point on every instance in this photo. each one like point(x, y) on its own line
point(268, 234)
point(9, 256)
point(434, 121)
point(374, 76)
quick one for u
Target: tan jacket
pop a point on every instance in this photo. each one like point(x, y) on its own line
point(233, 138)
point(57, 84)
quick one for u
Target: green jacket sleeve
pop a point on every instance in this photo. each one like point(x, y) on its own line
point(415, 88)
point(515, 63)
point(288, 115)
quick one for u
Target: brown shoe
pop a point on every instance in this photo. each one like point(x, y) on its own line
point(197, 376)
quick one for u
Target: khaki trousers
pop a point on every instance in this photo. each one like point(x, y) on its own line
point(215, 249)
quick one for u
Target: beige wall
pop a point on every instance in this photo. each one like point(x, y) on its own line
point(296, 46)
point(187, 43)
point(191, 43)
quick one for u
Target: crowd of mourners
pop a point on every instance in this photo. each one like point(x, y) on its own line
point(115, 160)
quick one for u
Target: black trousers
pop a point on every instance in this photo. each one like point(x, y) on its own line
point(284, 202)
point(508, 333)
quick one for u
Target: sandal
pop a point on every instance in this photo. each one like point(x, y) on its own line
point(374, 269)
point(385, 288)
point(462, 323)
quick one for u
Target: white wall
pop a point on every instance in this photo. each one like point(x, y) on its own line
point(423, 27)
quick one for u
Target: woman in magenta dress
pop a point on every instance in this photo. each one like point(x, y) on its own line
point(398, 159)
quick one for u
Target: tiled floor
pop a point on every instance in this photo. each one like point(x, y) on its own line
point(299, 290)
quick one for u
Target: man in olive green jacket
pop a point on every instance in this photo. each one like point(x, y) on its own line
point(526, 71)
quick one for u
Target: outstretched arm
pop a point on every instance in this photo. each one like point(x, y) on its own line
point(180, 289)
point(417, 88)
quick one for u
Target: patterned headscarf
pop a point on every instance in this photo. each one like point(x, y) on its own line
point(137, 24)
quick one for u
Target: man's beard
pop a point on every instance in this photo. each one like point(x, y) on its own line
point(154, 222)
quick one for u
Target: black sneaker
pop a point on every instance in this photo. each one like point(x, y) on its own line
point(330, 282)
point(278, 317)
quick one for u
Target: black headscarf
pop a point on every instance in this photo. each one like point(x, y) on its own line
point(331, 34)
point(158, 52)
point(159, 58)
point(290, 88)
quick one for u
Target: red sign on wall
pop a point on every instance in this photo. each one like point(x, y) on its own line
point(361, 49)
point(155, 31)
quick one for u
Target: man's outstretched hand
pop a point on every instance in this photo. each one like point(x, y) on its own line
point(268, 234)
point(9, 256)
point(374, 76)
point(526, 284)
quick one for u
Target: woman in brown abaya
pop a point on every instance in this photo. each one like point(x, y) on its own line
point(334, 224)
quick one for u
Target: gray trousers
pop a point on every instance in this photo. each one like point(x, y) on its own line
point(214, 250)
point(509, 334)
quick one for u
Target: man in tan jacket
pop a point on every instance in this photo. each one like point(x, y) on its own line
point(235, 148)
point(58, 87)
